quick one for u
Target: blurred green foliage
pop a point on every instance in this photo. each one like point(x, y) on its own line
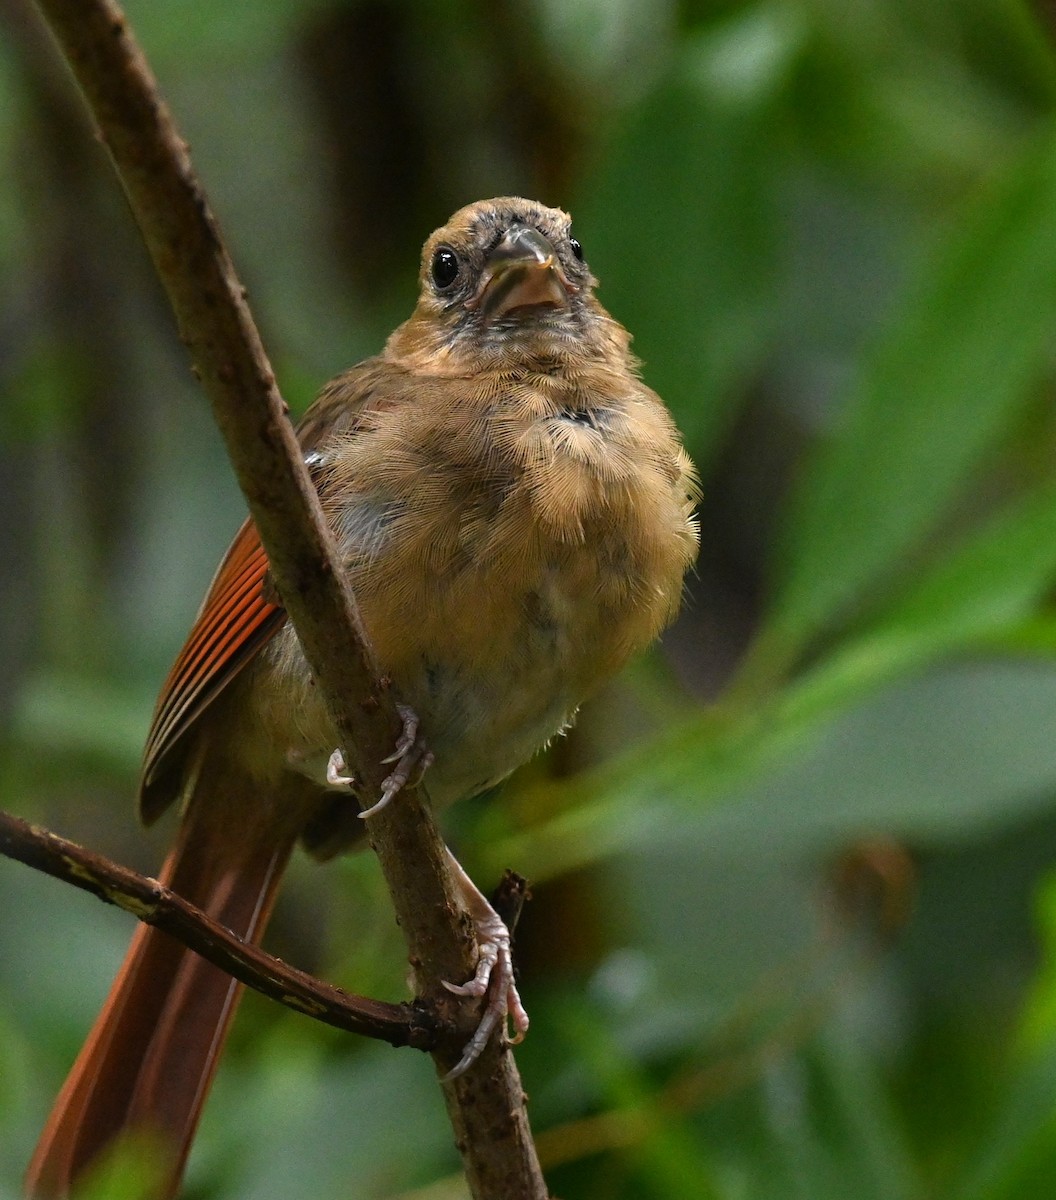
point(794, 932)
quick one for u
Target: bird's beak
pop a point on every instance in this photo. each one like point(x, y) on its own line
point(522, 271)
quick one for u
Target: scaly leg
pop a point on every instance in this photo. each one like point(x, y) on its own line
point(494, 974)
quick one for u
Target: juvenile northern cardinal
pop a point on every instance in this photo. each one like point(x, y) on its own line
point(514, 509)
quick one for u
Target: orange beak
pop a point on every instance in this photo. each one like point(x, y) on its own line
point(523, 271)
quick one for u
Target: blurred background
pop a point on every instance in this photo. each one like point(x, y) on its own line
point(794, 922)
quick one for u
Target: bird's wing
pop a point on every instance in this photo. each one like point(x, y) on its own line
point(240, 612)
point(234, 622)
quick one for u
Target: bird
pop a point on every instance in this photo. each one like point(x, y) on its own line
point(515, 513)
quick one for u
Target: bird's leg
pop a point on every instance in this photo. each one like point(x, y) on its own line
point(494, 975)
point(409, 756)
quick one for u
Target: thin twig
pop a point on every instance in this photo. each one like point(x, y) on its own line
point(154, 904)
point(486, 1105)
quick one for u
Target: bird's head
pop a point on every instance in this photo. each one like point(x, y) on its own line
point(503, 282)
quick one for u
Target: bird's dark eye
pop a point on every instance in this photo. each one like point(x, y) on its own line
point(444, 267)
point(577, 249)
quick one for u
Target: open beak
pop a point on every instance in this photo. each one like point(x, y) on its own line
point(522, 271)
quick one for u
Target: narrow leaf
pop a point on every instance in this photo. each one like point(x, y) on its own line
point(940, 390)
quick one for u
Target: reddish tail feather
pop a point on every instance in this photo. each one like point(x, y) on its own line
point(150, 1058)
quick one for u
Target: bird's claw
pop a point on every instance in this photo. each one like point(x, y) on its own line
point(494, 978)
point(408, 735)
point(335, 768)
point(409, 756)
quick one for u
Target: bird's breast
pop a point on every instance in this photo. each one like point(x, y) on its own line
point(509, 552)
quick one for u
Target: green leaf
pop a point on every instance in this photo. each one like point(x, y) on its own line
point(1017, 1155)
point(811, 778)
point(1037, 1030)
point(681, 221)
point(1021, 1146)
point(981, 593)
point(659, 1141)
point(831, 1131)
point(940, 390)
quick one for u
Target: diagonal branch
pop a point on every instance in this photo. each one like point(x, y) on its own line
point(487, 1104)
point(155, 904)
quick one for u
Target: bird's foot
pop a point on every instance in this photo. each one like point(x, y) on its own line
point(409, 756)
point(494, 977)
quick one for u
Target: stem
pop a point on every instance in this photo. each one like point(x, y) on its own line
point(487, 1104)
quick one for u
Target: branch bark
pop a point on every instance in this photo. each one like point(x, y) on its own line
point(486, 1105)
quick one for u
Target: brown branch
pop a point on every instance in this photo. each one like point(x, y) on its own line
point(154, 904)
point(486, 1105)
